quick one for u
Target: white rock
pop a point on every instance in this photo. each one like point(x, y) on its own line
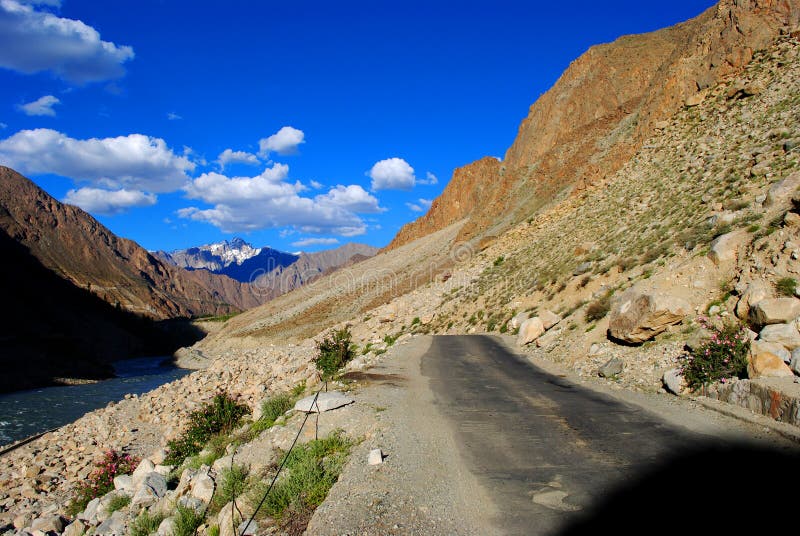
point(325, 402)
point(724, 248)
point(123, 482)
point(375, 457)
point(758, 347)
point(203, 487)
point(639, 315)
point(674, 381)
point(782, 191)
point(549, 318)
point(113, 526)
point(167, 527)
point(775, 311)
point(153, 487)
point(247, 528)
point(144, 468)
point(795, 362)
point(785, 335)
point(530, 330)
point(517, 320)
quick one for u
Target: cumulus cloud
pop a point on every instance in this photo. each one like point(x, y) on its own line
point(305, 242)
point(33, 41)
point(270, 201)
point(353, 198)
point(133, 162)
point(392, 174)
point(317, 185)
point(41, 106)
point(430, 178)
point(229, 156)
point(108, 202)
point(283, 142)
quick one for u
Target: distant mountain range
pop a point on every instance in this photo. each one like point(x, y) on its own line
point(268, 269)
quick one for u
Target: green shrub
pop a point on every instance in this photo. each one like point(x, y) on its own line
point(499, 260)
point(333, 353)
point(723, 356)
point(273, 408)
point(118, 502)
point(415, 321)
point(146, 523)
point(786, 286)
point(187, 521)
point(599, 308)
point(310, 472)
point(390, 339)
point(220, 416)
point(232, 484)
point(101, 480)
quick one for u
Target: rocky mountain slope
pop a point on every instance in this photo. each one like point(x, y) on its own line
point(600, 112)
point(78, 248)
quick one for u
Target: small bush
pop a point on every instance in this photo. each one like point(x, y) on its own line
point(310, 472)
point(232, 484)
point(599, 308)
point(499, 260)
point(146, 523)
point(334, 352)
point(187, 521)
point(786, 286)
point(273, 408)
point(723, 356)
point(415, 321)
point(101, 480)
point(118, 502)
point(391, 339)
point(220, 416)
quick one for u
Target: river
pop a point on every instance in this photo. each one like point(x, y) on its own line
point(25, 413)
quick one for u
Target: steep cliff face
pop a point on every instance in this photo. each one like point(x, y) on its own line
point(600, 112)
point(75, 246)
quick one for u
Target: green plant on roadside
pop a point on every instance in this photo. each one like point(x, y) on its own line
point(232, 483)
point(101, 480)
point(334, 352)
point(273, 408)
point(721, 357)
point(213, 530)
point(310, 472)
point(187, 521)
point(117, 502)
point(599, 308)
point(390, 339)
point(219, 416)
point(146, 523)
point(786, 286)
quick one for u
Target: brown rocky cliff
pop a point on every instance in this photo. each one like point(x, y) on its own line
point(78, 248)
point(600, 111)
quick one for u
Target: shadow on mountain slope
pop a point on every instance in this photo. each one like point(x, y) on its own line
point(51, 329)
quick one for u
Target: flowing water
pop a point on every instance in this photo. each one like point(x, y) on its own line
point(25, 413)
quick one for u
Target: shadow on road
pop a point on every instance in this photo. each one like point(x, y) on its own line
point(713, 490)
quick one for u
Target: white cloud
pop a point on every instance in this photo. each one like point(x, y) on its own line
point(392, 174)
point(283, 142)
point(108, 202)
point(229, 156)
point(33, 41)
point(133, 162)
point(430, 178)
point(269, 201)
point(305, 242)
point(3, 126)
point(353, 198)
point(317, 185)
point(172, 116)
point(41, 106)
point(421, 205)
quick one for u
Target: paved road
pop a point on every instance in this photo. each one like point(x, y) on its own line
point(553, 454)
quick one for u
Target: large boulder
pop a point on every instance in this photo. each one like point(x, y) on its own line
point(724, 248)
point(637, 316)
point(674, 381)
point(203, 487)
point(785, 335)
point(549, 319)
point(768, 365)
point(775, 311)
point(530, 330)
point(757, 347)
point(517, 320)
point(781, 192)
point(756, 291)
point(113, 526)
point(153, 487)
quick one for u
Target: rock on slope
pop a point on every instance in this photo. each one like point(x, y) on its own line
point(78, 248)
point(599, 113)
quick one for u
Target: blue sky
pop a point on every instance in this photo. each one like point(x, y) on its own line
point(300, 125)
